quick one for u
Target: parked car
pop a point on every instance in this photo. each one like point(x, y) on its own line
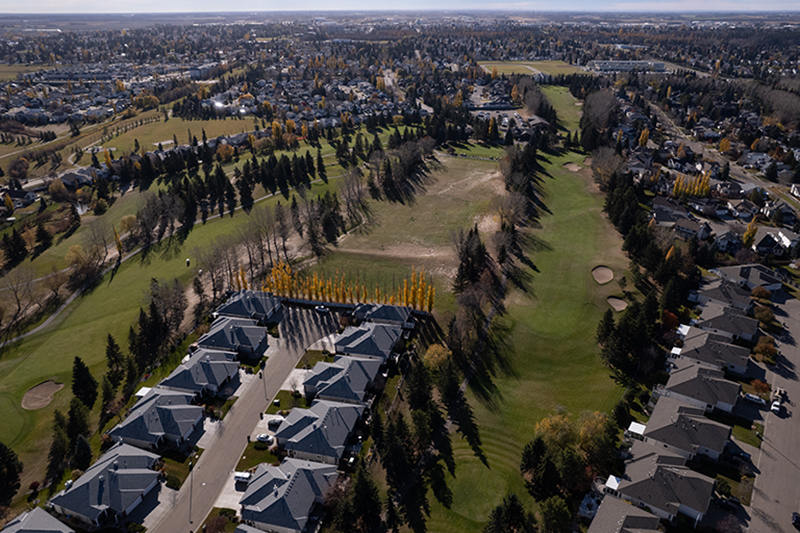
point(775, 407)
point(265, 438)
point(274, 422)
point(796, 520)
point(727, 504)
point(322, 309)
point(755, 399)
point(740, 453)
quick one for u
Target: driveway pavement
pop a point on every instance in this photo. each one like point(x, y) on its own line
point(297, 330)
point(777, 488)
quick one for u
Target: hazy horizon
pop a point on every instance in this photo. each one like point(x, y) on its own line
point(145, 7)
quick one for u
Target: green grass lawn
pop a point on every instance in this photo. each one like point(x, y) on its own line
point(10, 72)
point(569, 114)
point(473, 149)
point(312, 357)
point(178, 465)
point(287, 402)
point(252, 457)
point(554, 68)
point(556, 360)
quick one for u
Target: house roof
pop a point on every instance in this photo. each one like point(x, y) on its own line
point(685, 428)
point(712, 349)
point(369, 339)
point(704, 384)
point(754, 275)
point(249, 304)
point(229, 333)
point(36, 521)
point(617, 516)
point(322, 429)
point(347, 378)
point(206, 368)
point(160, 414)
point(727, 319)
point(661, 480)
point(112, 483)
point(283, 496)
point(383, 313)
point(724, 291)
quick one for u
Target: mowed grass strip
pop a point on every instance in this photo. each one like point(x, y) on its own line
point(554, 68)
point(555, 358)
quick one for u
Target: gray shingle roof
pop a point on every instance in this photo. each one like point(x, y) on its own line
point(726, 292)
point(617, 516)
point(347, 378)
point(204, 369)
point(369, 340)
point(284, 495)
point(111, 484)
point(754, 275)
point(662, 481)
point(231, 334)
point(383, 313)
point(685, 428)
point(704, 384)
point(727, 319)
point(36, 521)
point(250, 304)
point(160, 414)
point(711, 349)
point(322, 430)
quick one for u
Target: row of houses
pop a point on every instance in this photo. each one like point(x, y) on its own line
point(166, 416)
point(316, 440)
point(658, 484)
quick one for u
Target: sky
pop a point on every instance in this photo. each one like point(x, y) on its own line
point(156, 6)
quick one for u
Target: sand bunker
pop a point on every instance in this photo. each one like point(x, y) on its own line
point(617, 304)
point(572, 167)
point(587, 161)
point(41, 395)
point(602, 274)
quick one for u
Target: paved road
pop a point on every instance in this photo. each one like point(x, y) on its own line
point(298, 329)
point(776, 493)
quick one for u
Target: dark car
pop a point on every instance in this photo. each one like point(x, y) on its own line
point(796, 520)
point(728, 505)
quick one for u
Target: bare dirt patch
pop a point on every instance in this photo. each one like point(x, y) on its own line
point(617, 304)
point(41, 395)
point(587, 161)
point(602, 274)
point(572, 167)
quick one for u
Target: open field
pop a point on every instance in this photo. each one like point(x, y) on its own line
point(555, 361)
point(554, 68)
point(10, 72)
point(110, 307)
point(569, 114)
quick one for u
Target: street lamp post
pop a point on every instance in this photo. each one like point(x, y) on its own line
point(191, 490)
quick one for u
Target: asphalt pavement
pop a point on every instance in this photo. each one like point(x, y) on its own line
point(776, 493)
point(298, 329)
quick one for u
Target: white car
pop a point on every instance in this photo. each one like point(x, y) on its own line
point(322, 309)
point(265, 438)
point(755, 399)
point(776, 407)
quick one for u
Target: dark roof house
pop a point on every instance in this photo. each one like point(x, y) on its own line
point(257, 305)
point(368, 340)
point(685, 430)
point(206, 372)
point(281, 498)
point(348, 379)
point(240, 335)
point(384, 314)
point(319, 433)
point(161, 416)
point(36, 520)
point(726, 321)
point(111, 488)
point(617, 516)
point(700, 386)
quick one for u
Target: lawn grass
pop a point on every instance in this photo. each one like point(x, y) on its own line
point(312, 357)
point(555, 358)
point(743, 430)
point(287, 402)
point(252, 457)
point(473, 149)
point(10, 72)
point(554, 68)
point(230, 527)
point(177, 464)
point(569, 114)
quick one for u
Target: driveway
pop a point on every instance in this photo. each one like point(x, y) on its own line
point(776, 493)
point(297, 330)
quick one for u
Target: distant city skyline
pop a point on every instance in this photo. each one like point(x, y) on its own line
point(35, 7)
